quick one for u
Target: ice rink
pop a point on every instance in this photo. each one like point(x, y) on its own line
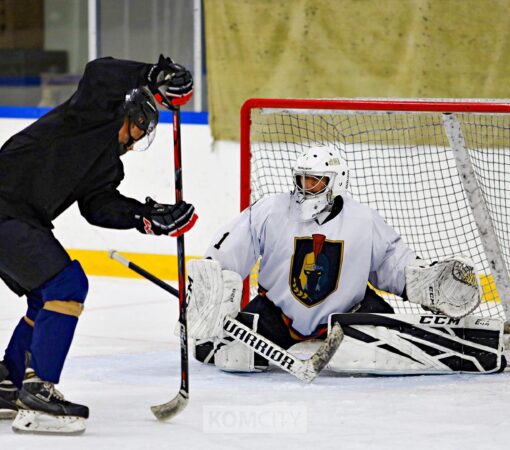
point(126, 358)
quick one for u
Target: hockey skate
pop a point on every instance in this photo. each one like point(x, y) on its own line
point(8, 395)
point(43, 409)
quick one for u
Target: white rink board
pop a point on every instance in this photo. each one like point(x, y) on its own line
point(210, 182)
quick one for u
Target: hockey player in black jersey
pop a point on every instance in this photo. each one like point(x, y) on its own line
point(72, 154)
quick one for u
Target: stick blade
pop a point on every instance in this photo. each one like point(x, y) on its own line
point(313, 366)
point(326, 351)
point(168, 410)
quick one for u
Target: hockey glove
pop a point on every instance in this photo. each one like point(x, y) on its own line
point(170, 83)
point(170, 220)
point(450, 286)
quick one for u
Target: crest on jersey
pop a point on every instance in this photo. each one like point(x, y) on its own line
point(315, 268)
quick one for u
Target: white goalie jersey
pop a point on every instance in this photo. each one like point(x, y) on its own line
point(309, 270)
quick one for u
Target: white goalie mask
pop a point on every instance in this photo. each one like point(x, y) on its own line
point(319, 175)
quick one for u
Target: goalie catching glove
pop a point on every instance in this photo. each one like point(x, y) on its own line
point(170, 83)
point(171, 220)
point(212, 295)
point(450, 286)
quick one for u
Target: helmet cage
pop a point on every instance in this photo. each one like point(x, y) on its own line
point(325, 178)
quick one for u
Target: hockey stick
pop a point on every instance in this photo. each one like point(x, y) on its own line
point(170, 409)
point(114, 254)
point(173, 407)
point(306, 370)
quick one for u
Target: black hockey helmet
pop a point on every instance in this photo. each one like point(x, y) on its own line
point(140, 107)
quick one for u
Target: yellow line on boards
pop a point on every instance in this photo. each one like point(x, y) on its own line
point(97, 262)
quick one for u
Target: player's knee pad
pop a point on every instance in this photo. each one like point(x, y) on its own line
point(65, 293)
point(237, 357)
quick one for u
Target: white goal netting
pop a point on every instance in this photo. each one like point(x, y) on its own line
point(401, 164)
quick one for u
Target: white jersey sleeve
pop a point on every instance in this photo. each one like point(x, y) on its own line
point(390, 256)
point(238, 245)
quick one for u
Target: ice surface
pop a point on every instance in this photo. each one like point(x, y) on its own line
point(126, 358)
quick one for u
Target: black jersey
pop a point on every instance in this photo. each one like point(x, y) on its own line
point(72, 153)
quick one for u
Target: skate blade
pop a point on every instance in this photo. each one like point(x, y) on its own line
point(36, 422)
point(7, 414)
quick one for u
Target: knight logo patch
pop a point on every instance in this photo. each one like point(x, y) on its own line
point(315, 268)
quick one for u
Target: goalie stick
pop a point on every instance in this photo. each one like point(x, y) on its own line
point(304, 369)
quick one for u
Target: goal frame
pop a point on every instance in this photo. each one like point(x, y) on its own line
point(367, 105)
point(347, 105)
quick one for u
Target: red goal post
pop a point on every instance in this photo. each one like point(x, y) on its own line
point(395, 140)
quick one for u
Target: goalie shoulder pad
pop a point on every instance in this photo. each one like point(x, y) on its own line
point(450, 286)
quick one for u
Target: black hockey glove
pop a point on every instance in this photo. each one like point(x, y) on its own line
point(170, 220)
point(170, 83)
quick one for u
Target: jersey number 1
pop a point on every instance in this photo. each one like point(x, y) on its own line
point(218, 245)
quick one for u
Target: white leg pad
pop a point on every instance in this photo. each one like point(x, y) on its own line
point(419, 344)
point(359, 358)
point(237, 357)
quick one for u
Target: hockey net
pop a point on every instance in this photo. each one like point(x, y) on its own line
point(403, 164)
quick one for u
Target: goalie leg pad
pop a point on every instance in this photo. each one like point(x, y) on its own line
point(237, 357)
point(388, 344)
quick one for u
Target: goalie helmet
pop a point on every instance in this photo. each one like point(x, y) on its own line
point(324, 164)
point(141, 109)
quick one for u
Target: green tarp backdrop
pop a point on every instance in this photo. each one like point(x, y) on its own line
point(352, 48)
